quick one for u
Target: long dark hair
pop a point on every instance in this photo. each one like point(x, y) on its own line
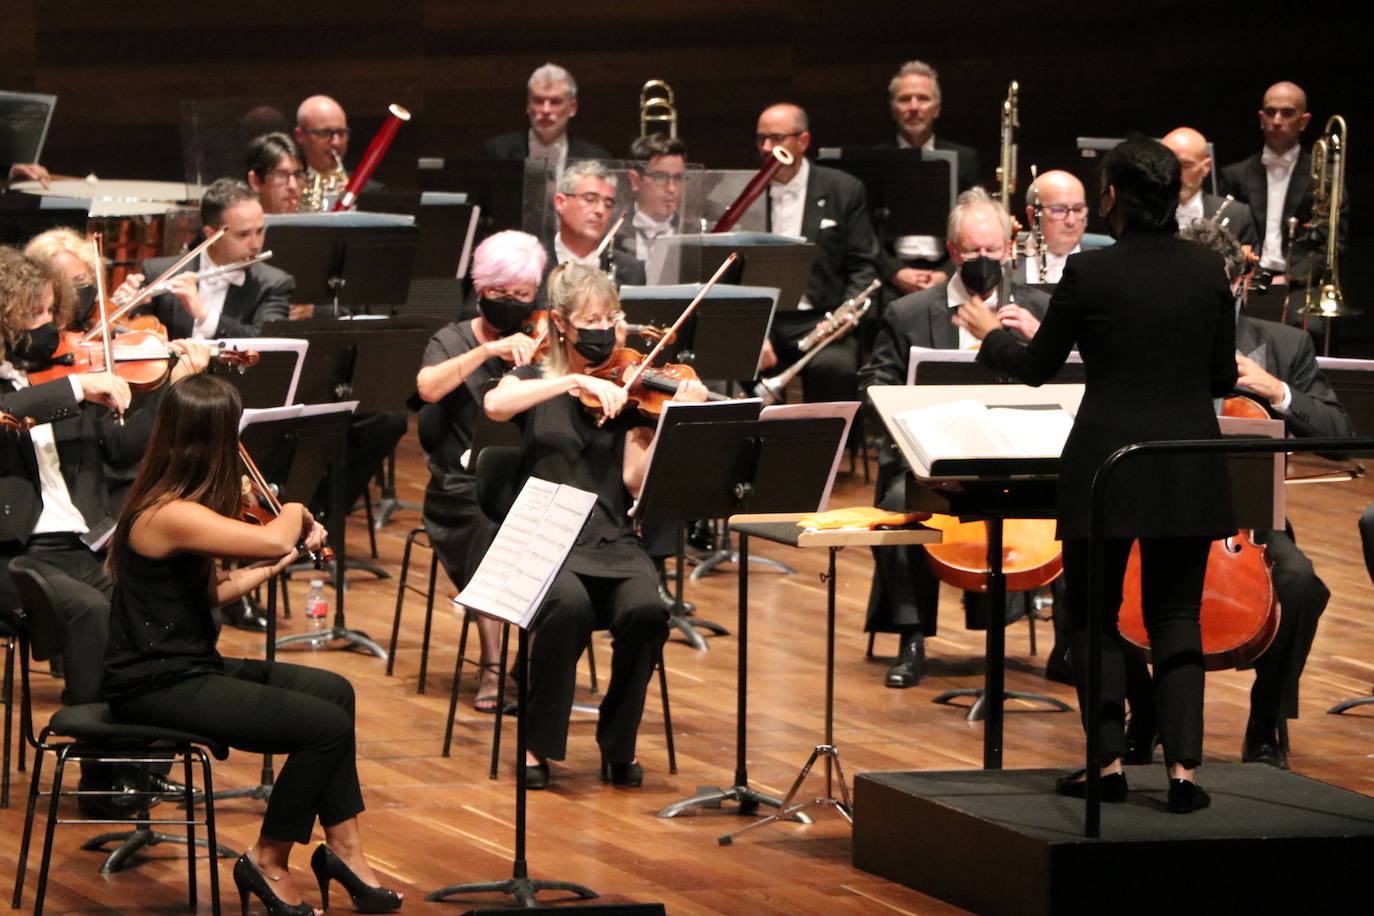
point(192, 455)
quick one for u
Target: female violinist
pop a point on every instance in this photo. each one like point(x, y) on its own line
point(70, 253)
point(162, 667)
point(608, 580)
point(1152, 317)
point(461, 361)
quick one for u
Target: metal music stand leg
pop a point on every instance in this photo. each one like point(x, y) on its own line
point(1343, 705)
point(826, 751)
point(726, 554)
point(677, 617)
point(389, 504)
point(520, 885)
point(748, 798)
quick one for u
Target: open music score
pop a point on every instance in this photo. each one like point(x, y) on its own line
point(949, 438)
point(528, 551)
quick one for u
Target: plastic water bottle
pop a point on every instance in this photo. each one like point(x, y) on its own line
point(317, 614)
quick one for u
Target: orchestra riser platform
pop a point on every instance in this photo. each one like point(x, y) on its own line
point(1001, 842)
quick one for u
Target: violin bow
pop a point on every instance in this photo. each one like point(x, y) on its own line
point(98, 254)
point(670, 334)
point(147, 291)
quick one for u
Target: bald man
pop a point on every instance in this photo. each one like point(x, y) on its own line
point(827, 208)
point(1196, 204)
point(1063, 219)
point(322, 131)
point(1277, 184)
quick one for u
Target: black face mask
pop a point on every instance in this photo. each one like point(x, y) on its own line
point(85, 302)
point(35, 351)
point(504, 313)
point(595, 344)
point(981, 275)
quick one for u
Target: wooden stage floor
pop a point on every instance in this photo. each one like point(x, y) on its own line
point(433, 821)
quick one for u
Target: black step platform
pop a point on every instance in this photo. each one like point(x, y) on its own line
point(1001, 842)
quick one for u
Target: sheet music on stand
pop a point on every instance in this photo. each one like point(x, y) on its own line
point(529, 550)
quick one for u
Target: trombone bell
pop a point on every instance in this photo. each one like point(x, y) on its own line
point(657, 110)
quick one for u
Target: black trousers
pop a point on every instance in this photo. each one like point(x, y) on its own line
point(905, 594)
point(272, 708)
point(82, 589)
point(576, 605)
point(833, 374)
point(1302, 599)
point(1172, 572)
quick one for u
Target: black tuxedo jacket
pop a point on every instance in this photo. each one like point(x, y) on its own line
point(1248, 182)
point(1287, 354)
point(1152, 318)
point(629, 270)
point(1240, 219)
point(965, 177)
point(87, 437)
point(835, 219)
point(516, 146)
point(264, 296)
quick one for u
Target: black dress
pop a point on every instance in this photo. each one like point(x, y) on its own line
point(607, 582)
point(162, 668)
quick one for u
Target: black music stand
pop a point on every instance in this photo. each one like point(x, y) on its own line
point(908, 194)
point(765, 260)
point(272, 383)
point(719, 469)
point(722, 340)
point(497, 188)
point(448, 228)
point(22, 216)
point(356, 262)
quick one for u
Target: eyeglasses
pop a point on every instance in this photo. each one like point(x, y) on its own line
point(968, 254)
point(610, 321)
point(591, 199)
point(1060, 211)
point(328, 133)
point(281, 176)
point(666, 177)
point(775, 139)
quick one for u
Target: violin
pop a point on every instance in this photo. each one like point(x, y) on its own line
point(648, 389)
point(1240, 612)
point(15, 424)
point(142, 358)
point(266, 506)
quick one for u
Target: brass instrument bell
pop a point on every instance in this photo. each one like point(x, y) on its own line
point(657, 110)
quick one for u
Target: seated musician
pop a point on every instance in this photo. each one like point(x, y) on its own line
point(1194, 203)
point(1063, 220)
point(584, 202)
point(608, 580)
point(162, 667)
point(461, 360)
point(276, 171)
point(657, 178)
point(550, 103)
point(1277, 364)
point(72, 255)
point(54, 501)
point(322, 132)
point(827, 208)
point(234, 304)
point(905, 594)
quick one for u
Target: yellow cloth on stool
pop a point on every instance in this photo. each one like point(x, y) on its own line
point(858, 517)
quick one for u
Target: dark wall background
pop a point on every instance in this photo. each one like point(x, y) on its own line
point(1097, 69)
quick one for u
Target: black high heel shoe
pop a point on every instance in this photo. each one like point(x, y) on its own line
point(248, 878)
point(327, 866)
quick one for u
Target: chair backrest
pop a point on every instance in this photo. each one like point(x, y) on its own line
point(44, 630)
point(498, 479)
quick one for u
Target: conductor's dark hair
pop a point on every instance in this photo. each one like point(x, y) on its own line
point(1146, 176)
point(266, 150)
point(222, 194)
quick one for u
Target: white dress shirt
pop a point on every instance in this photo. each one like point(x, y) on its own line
point(1278, 168)
point(562, 254)
point(1054, 266)
point(1189, 211)
point(956, 294)
point(646, 229)
point(918, 247)
point(787, 204)
point(59, 514)
point(212, 292)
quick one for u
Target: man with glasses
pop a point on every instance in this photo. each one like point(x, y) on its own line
point(827, 208)
point(1063, 219)
point(322, 132)
point(584, 202)
point(276, 171)
point(905, 594)
point(550, 103)
point(657, 178)
point(1196, 204)
point(1277, 184)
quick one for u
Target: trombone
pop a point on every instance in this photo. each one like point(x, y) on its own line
point(1328, 188)
point(657, 110)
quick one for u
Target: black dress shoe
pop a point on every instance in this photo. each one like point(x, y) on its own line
point(1266, 749)
point(171, 790)
point(1186, 796)
point(910, 665)
point(1075, 785)
point(1057, 667)
point(1140, 744)
point(242, 615)
point(622, 774)
point(121, 807)
point(537, 776)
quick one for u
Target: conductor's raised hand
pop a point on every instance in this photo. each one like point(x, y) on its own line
point(975, 317)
